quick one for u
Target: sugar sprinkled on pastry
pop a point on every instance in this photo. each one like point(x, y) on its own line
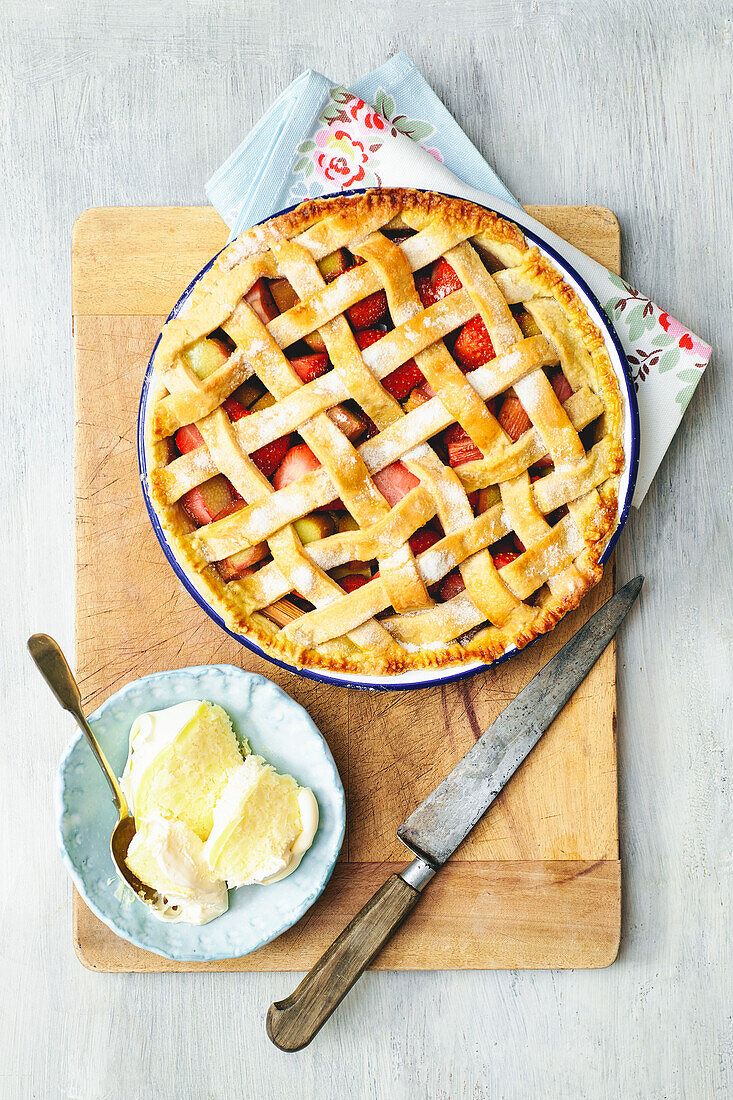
point(458, 408)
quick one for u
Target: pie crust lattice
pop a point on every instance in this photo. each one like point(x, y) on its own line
point(289, 602)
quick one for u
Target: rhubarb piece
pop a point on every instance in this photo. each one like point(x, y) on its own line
point(207, 500)
point(206, 356)
point(513, 418)
point(240, 564)
point(399, 236)
point(350, 568)
point(266, 401)
point(285, 298)
point(461, 448)
point(335, 264)
point(249, 392)
point(451, 585)
point(318, 525)
point(370, 430)
point(473, 346)
point(352, 424)
point(561, 386)
point(346, 522)
point(262, 301)
point(366, 313)
point(309, 367)
point(283, 294)
point(282, 612)
point(189, 438)
point(487, 498)
point(557, 515)
point(395, 482)
point(315, 342)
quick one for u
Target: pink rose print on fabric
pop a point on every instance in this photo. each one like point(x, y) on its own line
point(369, 119)
point(339, 152)
point(685, 339)
point(340, 158)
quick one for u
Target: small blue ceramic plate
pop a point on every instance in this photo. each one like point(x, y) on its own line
point(278, 729)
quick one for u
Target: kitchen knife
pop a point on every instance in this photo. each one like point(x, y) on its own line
point(439, 824)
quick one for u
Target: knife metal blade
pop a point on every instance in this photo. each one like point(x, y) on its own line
point(439, 824)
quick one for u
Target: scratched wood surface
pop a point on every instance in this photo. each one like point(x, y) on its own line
point(572, 101)
point(391, 749)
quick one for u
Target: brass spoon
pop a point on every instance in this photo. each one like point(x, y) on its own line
point(55, 670)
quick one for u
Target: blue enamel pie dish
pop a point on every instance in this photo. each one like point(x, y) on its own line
point(420, 677)
point(277, 728)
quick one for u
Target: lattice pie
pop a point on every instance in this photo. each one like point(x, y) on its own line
point(384, 434)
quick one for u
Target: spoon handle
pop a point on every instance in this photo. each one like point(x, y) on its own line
point(55, 670)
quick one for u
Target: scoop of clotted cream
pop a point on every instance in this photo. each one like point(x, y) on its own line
point(263, 825)
point(207, 812)
point(181, 758)
point(167, 855)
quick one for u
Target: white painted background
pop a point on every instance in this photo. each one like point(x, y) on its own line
point(574, 101)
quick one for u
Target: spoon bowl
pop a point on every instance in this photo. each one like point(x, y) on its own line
point(55, 670)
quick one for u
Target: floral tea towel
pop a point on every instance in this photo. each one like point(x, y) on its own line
point(391, 130)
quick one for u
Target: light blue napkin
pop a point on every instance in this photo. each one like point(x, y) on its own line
point(257, 179)
point(390, 129)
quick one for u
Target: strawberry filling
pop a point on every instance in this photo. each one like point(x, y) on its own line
point(506, 550)
point(444, 279)
point(424, 287)
point(189, 438)
point(267, 458)
point(297, 463)
point(352, 581)
point(401, 381)
point(473, 346)
point(423, 539)
point(366, 313)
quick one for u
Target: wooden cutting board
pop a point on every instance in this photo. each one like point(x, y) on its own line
point(538, 882)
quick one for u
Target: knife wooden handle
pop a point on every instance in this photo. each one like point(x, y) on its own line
point(292, 1023)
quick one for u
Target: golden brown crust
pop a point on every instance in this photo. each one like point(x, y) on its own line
point(247, 256)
